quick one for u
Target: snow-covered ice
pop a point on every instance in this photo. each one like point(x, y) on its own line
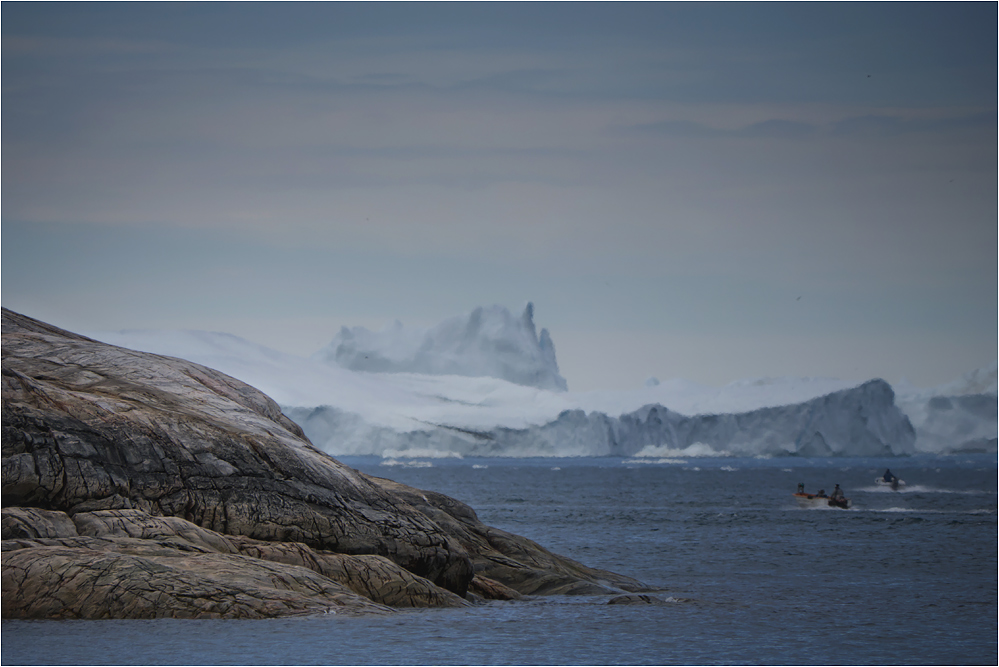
point(488, 342)
point(859, 421)
point(504, 396)
point(957, 416)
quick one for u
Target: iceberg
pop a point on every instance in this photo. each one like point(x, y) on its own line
point(488, 342)
point(486, 385)
point(959, 416)
point(860, 421)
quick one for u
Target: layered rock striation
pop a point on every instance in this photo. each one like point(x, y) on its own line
point(138, 486)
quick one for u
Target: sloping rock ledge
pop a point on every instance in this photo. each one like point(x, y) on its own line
point(141, 486)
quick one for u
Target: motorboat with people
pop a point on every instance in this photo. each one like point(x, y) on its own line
point(836, 499)
point(889, 479)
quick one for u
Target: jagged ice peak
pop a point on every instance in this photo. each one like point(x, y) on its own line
point(488, 341)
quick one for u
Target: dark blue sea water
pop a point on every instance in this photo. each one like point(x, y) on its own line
point(907, 577)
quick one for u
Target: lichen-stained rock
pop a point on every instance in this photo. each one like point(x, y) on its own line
point(135, 533)
point(138, 524)
point(374, 577)
point(201, 499)
point(90, 426)
point(490, 589)
point(57, 582)
point(32, 522)
point(512, 560)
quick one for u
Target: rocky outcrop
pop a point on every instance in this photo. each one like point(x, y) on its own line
point(512, 560)
point(196, 571)
point(57, 582)
point(181, 491)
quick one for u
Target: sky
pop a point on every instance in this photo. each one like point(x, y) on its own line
point(708, 191)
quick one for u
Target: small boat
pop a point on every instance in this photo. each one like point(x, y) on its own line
point(889, 479)
point(816, 500)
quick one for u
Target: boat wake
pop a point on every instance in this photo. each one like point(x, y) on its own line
point(822, 508)
point(644, 461)
point(919, 488)
point(910, 510)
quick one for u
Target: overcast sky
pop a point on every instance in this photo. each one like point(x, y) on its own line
point(709, 191)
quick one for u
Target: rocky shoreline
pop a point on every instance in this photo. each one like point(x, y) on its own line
point(142, 486)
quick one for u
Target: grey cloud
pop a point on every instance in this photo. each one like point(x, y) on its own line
point(874, 125)
point(775, 128)
point(41, 47)
point(778, 129)
point(519, 80)
point(384, 78)
point(694, 148)
point(870, 125)
point(674, 128)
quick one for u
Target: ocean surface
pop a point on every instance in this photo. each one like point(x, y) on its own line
point(747, 577)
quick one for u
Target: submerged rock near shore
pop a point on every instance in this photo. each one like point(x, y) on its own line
point(143, 486)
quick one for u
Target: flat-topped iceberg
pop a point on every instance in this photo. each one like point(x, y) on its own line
point(859, 421)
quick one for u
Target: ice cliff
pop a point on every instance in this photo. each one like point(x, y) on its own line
point(486, 384)
point(960, 416)
point(489, 342)
point(860, 421)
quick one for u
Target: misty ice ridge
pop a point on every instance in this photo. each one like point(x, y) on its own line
point(487, 342)
point(486, 384)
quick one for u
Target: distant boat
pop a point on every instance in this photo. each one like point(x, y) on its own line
point(820, 499)
point(894, 483)
point(889, 479)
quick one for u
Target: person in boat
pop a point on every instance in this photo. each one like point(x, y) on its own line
point(801, 487)
point(889, 478)
point(837, 493)
point(821, 494)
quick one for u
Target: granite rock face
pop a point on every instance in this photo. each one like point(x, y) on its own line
point(513, 561)
point(57, 582)
point(181, 491)
point(166, 566)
